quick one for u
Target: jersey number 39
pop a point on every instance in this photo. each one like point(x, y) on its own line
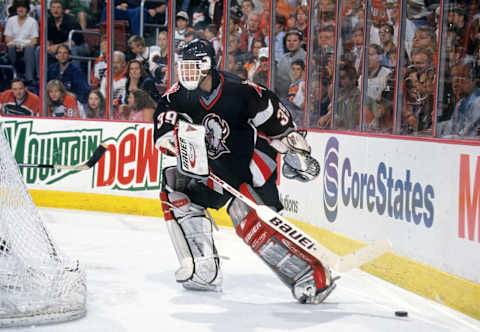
point(169, 117)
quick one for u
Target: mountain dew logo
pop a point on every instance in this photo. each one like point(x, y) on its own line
point(68, 147)
point(131, 162)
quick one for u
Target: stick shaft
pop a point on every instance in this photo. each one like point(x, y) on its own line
point(97, 154)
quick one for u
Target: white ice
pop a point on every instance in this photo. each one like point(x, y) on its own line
point(130, 263)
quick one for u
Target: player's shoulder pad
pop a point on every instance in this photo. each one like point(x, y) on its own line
point(259, 89)
point(171, 91)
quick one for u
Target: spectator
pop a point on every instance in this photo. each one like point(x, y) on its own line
point(409, 27)
point(253, 64)
point(389, 49)
point(181, 26)
point(247, 8)
point(211, 34)
point(95, 105)
point(69, 74)
point(347, 114)
point(295, 51)
point(99, 66)
point(465, 120)
point(18, 101)
point(301, 16)
point(296, 90)
point(377, 74)
point(60, 102)
point(280, 23)
point(239, 56)
point(252, 33)
point(159, 67)
point(261, 75)
point(144, 54)
point(129, 10)
point(320, 101)
point(80, 10)
point(424, 37)
point(138, 78)
point(119, 79)
point(140, 107)
point(379, 116)
point(59, 26)
point(422, 57)
point(21, 36)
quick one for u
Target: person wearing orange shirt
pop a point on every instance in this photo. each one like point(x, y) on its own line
point(60, 102)
point(18, 101)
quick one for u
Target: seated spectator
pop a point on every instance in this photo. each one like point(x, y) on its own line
point(18, 101)
point(377, 74)
point(59, 27)
point(422, 57)
point(347, 114)
point(247, 7)
point(69, 74)
point(389, 50)
point(138, 78)
point(181, 26)
point(301, 16)
point(119, 79)
point(21, 36)
point(320, 101)
point(379, 116)
point(253, 64)
point(159, 67)
point(60, 102)
point(294, 40)
point(239, 56)
point(95, 105)
point(144, 54)
point(99, 66)
point(80, 11)
point(252, 33)
point(211, 34)
point(465, 120)
point(280, 23)
point(261, 75)
point(129, 10)
point(296, 90)
point(140, 107)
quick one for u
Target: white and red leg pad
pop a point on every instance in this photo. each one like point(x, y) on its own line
point(301, 272)
point(191, 235)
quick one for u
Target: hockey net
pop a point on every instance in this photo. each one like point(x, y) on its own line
point(38, 284)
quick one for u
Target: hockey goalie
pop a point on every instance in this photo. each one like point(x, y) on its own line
point(246, 126)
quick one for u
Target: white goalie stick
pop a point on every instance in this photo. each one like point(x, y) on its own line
point(192, 161)
point(97, 154)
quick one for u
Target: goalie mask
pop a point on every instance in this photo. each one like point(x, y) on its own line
point(198, 58)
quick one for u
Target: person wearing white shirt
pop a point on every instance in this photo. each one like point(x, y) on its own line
point(21, 36)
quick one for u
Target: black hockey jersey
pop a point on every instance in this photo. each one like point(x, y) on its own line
point(239, 117)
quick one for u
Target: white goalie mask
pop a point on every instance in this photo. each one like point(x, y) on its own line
point(197, 60)
point(191, 72)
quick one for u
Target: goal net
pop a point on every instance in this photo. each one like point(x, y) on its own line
point(38, 284)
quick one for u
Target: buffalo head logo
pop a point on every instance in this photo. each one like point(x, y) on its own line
point(216, 132)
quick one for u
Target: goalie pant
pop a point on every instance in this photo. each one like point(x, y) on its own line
point(304, 275)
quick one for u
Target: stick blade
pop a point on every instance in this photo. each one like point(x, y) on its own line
point(363, 255)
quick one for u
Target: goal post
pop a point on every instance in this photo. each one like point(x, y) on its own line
point(38, 283)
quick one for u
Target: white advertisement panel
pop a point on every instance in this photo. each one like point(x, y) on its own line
point(423, 195)
point(131, 165)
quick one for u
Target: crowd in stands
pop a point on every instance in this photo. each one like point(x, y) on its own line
point(388, 87)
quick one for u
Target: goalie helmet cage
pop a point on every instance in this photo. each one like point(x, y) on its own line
point(38, 284)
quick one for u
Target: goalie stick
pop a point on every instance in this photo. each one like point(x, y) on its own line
point(97, 154)
point(192, 161)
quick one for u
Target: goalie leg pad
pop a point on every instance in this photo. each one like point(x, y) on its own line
point(308, 280)
point(191, 235)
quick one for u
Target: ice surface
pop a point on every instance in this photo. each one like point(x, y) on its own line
point(130, 266)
